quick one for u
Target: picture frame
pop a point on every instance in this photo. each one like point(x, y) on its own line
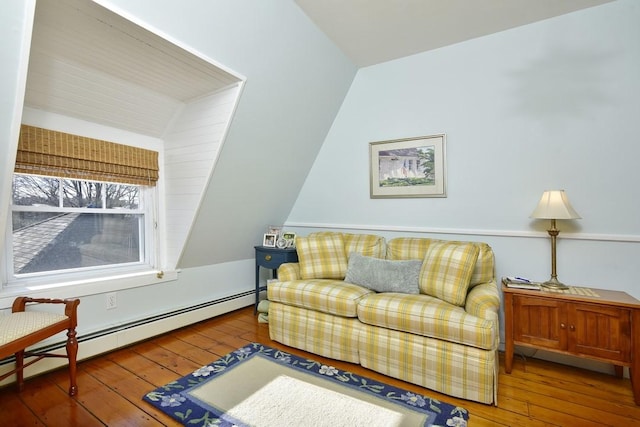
point(290, 238)
point(274, 229)
point(409, 167)
point(289, 235)
point(269, 240)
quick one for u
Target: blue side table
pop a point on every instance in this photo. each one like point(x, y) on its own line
point(271, 258)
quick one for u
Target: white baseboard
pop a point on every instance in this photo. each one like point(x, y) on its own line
point(127, 336)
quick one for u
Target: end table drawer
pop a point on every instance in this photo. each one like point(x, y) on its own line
point(270, 259)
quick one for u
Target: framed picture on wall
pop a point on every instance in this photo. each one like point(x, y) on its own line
point(410, 167)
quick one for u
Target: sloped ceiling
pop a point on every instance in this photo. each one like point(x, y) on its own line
point(374, 31)
point(90, 63)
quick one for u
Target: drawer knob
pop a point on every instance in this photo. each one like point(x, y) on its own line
point(267, 257)
point(572, 327)
point(563, 326)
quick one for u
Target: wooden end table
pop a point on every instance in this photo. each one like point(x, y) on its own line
point(596, 324)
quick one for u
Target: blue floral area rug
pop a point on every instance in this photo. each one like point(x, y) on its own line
point(261, 386)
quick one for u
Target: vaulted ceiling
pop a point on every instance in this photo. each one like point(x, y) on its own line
point(89, 63)
point(374, 31)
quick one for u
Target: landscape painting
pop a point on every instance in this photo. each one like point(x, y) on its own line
point(411, 167)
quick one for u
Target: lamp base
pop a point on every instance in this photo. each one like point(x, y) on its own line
point(554, 283)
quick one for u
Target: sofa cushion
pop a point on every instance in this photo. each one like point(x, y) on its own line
point(427, 316)
point(407, 248)
point(365, 244)
point(328, 296)
point(322, 256)
point(416, 248)
point(447, 269)
point(383, 275)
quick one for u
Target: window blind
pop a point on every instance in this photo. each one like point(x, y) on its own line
point(52, 153)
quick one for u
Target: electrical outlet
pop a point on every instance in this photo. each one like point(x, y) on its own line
point(112, 300)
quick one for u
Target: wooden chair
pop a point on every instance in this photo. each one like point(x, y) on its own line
point(24, 328)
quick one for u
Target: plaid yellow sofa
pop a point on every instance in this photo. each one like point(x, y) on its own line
point(435, 324)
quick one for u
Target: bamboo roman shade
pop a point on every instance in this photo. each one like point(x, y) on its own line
point(52, 153)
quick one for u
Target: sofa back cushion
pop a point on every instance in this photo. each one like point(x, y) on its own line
point(446, 270)
point(403, 248)
point(322, 256)
point(416, 248)
point(364, 244)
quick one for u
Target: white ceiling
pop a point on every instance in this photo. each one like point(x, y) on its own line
point(374, 31)
point(90, 63)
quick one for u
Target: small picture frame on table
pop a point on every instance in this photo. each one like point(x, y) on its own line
point(290, 239)
point(275, 229)
point(269, 240)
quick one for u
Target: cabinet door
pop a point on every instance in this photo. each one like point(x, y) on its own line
point(540, 322)
point(600, 331)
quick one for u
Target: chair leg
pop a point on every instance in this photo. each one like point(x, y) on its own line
point(72, 353)
point(20, 369)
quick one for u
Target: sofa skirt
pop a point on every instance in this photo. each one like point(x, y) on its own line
point(319, 333)
point(453, 369)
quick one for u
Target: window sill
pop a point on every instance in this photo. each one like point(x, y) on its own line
point(85, 287)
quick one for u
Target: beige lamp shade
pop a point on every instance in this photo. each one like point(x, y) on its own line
point(554, 204)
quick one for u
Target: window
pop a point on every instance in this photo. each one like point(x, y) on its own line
point(61, 224)
point(79, 205)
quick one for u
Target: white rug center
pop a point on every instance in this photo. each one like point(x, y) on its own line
point(286, 401)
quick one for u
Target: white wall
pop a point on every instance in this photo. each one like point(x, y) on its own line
point(552, 105)
point(15, 22)
point(191, 148)
point(296, 81)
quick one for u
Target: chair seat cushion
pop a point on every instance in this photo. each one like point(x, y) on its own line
point(18, 325)
point(327, 296)
point(427, 316)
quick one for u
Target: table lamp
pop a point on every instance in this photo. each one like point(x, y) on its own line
point(553, 205)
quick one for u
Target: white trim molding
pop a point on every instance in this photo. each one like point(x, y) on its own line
point(87, 286)
point(467, 232)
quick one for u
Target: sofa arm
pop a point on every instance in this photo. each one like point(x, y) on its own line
point(289, 271)
point(483, 301)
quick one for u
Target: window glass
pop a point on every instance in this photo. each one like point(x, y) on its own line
point(73, 240)
point(122, 196)
point(32, 190)
point(66, 224)
point(82, 194)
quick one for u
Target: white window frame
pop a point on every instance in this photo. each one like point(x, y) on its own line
point(91, 279)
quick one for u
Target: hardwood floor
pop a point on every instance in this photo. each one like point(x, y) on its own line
point(536, 393)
